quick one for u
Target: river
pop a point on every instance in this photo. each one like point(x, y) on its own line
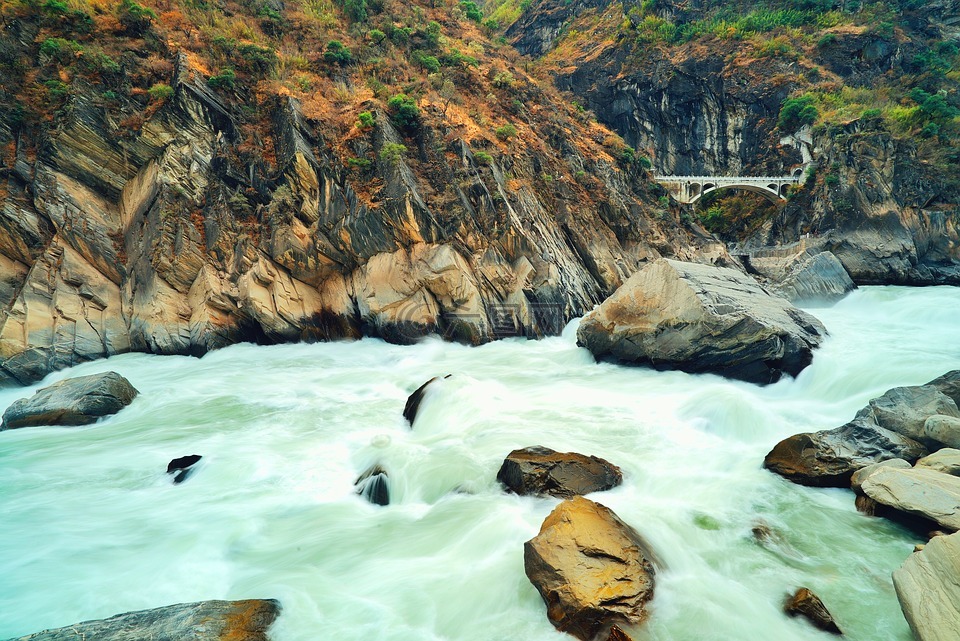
point(91, 526)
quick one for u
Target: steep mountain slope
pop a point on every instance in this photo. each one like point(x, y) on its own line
point(866, 90)
point(179, 175)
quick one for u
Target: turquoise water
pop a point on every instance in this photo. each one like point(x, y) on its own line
point(91, 525)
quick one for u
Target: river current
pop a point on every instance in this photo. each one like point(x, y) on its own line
point(91, 526)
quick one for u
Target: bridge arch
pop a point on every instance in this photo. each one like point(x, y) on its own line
point(770, 192)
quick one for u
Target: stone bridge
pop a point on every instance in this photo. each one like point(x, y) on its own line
point(689, 189)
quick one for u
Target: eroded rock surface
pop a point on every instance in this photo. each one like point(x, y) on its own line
point(702, 318)
point(592, 570)
point(808, 605)
point(202, 621)
point(919, 491)
point(928, 589)
point(72, 401)
point(540, 470)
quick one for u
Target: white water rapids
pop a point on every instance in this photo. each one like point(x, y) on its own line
point(91, 526)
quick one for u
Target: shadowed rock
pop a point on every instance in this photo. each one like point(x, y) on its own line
point(807, 604)
point(928, 589)
point(413, 402)
point(374, 486)
point(701, 318)
point(919, 491)
point(592, 570)
point(73, 401)
point(540, 470)
point(817, 278)
point(202, 621)
point(182, 467)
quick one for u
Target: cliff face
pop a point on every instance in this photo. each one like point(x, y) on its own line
point(174, 238)
point(701, 87)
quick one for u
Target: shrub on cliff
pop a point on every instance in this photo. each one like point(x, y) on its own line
point(797, 112)
point(404, 111)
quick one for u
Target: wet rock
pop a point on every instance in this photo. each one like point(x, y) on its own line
point(592, 570)
point(866, 505)
point(807, 604)
point(918, 491)
point(182, 467)
point(617, 634)
point(73, 401)
point(946, 460)
point(928, 589)
point(202, 621)
point(906, 410)
point(374, 485)
point(540, 470)
point(414, 400)
point(817, 278)
point(701, 318)
point(830, 457)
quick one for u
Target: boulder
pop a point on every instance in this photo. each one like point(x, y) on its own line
point(941, 428)
point(819, 278)
point(807, 604)
point(918, 491)
point(540, 470)
point(928, 589)
point(701, 318)
point(946, 460)
point(860, 475)
point(906, 410)
point(830, 457)
point(592, 570)
point(182, 467)
point(374, 486)
point(202, 621)
point(413, 401)
point(73, 401)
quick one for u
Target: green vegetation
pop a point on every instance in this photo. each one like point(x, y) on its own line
point(482, 157)
point(337, 54)
point(404, 112)
point(365, 120)
point(471, 11)
point(223, 80)
point(505, 132)
point(160, 92)
point(797, 112)
point(392, 152)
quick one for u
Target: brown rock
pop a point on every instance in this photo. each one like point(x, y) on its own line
point(807, 604)
point(617, 634)
point(540, 470)
point(866, 505)
point(592, 569)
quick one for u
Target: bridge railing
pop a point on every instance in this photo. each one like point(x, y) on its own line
point(728, 178)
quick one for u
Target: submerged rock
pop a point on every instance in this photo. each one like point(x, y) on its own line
point(820, 277)
point(182, 467)
point(905, 422)
point(918, 491)
point(202, 621)
point(540, 470)
point(701, 318)
point(374, 486)
point(72, 401)
point(928, 589)
point(807, 604)
point(414, 400)
point(592, 570)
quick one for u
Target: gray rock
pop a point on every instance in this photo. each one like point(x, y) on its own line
point(412, 406)
point(928, 589)
point(374, 485)
point(72, 401)
point(540, 470)
point(202, 621)
point(905, 410)
point(941, 428)
point(820, 277)
point(856, 481)
point(701, 318)
point(946, 460)
point(829, 458)
point(919, 491)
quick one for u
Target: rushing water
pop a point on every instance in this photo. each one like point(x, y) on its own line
point(90, 525)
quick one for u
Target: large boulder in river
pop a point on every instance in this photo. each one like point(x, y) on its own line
point(918, 491)
point(946, 460)
point(72, 401)
point(540, 470)
point(202, 621)
point(701, 318)
point(905, 422)
point(819, 278)
point(828, 458)
point(592, 570)
point(928, 589)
